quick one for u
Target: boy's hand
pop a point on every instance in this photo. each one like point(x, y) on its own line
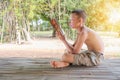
point(61, 37)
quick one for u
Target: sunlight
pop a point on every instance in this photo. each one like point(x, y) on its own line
point(114, 16)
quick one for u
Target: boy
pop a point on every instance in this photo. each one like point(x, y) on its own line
point(74, 55)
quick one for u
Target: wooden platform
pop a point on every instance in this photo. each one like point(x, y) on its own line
point(39, 69)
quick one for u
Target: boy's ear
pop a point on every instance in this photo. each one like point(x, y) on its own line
point(80, 20)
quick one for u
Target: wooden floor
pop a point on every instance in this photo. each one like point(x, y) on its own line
point(39, 69)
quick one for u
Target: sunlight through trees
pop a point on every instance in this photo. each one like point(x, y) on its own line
point(18, 16)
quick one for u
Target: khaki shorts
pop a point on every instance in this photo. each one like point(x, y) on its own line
point(88, 58)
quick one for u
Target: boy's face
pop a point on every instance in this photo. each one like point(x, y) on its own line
point(75, 21)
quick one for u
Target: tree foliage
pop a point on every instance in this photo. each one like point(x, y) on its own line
point(16, 15)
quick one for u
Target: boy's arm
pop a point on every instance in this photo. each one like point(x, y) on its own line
point(68, 46)
point(75, 42)
point(79, 42)
point(61, 35)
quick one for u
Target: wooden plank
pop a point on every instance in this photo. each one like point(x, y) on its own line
point(39, 69)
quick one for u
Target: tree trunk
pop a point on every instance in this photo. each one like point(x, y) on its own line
point(27, 35)
point(2, 31)
point(2, 26)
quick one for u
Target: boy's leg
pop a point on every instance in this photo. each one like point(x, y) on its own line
point(87, 58)
point(59, 64)
point(66, 60)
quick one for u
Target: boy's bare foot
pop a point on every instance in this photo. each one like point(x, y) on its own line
point(59, 64)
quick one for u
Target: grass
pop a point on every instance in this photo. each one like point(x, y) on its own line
point(38, 34)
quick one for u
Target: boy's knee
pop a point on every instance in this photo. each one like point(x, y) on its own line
point(67, 57)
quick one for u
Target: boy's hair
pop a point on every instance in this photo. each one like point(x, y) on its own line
point(80, 13)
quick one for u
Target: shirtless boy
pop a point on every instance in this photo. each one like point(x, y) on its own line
point(74, 55)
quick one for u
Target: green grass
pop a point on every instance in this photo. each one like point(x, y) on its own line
point(41, 33)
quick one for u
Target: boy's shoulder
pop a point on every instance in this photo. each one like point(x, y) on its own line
point(85, 29)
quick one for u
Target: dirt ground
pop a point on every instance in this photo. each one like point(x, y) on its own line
point(51, 47)
point(45, 47)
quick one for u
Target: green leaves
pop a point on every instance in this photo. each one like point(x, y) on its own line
point(97, 10)
point(53, 3)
